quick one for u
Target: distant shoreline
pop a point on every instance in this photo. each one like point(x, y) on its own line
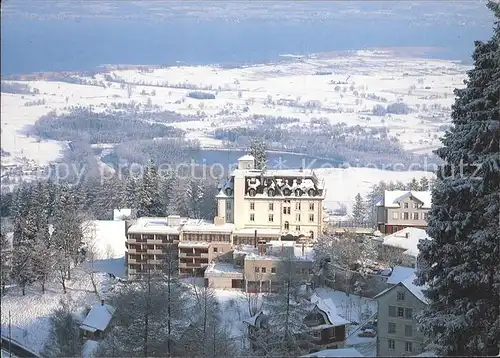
point(403, 52)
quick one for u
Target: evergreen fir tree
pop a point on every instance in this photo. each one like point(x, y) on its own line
point(461, 264)
point(149, 195)
point(67, 237)
point(195, 195)
point(5, 257)
point(424, 184)
point(358, 209)
point(131, 188)
point(167, 182)
point(258, 151)
point(413, 185)
point(25, 229)
point(179, 194)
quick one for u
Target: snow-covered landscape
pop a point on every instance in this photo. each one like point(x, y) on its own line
point(306, 179)
point(338, 88)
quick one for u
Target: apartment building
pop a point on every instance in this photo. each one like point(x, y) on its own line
point(261, 269)
point(277, 202)
point(202, 242)
point(397, 333)
point(256, 268)
point(399, 209)
point(150, 242)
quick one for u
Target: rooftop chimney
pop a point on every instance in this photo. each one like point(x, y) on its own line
point(102, 302)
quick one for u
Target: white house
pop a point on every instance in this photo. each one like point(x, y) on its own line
point(399, 209)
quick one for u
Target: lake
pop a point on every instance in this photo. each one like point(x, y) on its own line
point(227, 158)
point(33, 43)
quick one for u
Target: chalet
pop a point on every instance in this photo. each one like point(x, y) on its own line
point(326, 327)
point(97, 321)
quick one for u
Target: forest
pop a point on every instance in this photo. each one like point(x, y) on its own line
point(83, 123)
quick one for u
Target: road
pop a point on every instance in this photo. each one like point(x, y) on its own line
point(17, 350)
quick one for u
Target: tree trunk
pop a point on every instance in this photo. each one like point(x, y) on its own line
point(23, 288)
point(94, 285)
point(69, 272)
point(63, 283)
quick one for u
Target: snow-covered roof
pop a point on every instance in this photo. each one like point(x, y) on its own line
point(328, 307)
point(416, 290)
point(392, 198)
point(198, 225)
point(246, 157)
point(408, 283)
point(122, 214)
point(400, 273)
point(245, 249)
point(160, 225)
point(338, 352)
point(106, 237)
point(222, 269)
point(89, 348)
point(406, 239)
point(98, 318)
point(274, 253)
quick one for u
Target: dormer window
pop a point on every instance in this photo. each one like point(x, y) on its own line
point(298, 192)
point(311, 192)
point(270, 192)
point(229, 192)
point(252, 192)
point(287, 192)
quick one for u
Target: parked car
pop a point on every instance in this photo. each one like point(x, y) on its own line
point(370, 333)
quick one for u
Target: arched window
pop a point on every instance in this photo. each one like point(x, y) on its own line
point(287, 225)
point(311, 234)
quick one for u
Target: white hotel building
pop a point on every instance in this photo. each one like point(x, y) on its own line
point(277, 203)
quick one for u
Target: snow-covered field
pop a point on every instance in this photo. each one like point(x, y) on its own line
point(30, 314)
point(347, 91)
